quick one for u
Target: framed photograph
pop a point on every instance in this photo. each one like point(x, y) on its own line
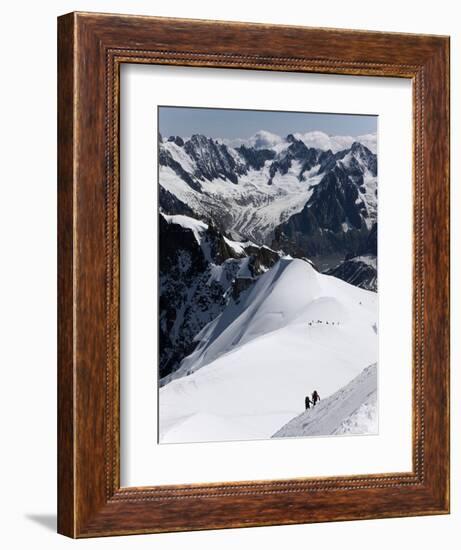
point(253, 275)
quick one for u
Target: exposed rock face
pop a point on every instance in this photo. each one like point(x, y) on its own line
point(360, 271)
point(213, 159)
point(200, 272)
point(297, 151)
point(256, 158)
point(261, 258)
point(371, 244)
point(341, 212)
point(170, 204)
point(333, 220)
point(181, 264)
point(177, 140)
point(360, 158)
point(240, 285)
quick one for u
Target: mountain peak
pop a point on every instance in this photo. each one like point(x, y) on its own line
point(358, 147)
point(213, 160)
point(177, 140)
point(199, 139)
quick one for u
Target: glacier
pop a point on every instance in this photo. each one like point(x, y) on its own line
point(251, 192)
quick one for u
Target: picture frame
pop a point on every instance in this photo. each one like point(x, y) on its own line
point(91, 49)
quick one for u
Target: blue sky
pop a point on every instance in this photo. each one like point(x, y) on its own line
point(233, 123)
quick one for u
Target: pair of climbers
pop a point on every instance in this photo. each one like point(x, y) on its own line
point(312, 400)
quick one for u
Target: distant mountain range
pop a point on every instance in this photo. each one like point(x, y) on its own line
point(299, 199)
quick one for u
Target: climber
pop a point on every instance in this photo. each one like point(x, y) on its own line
point(315, 397)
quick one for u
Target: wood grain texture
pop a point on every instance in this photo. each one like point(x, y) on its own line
point(66, 471)
point(91, 49)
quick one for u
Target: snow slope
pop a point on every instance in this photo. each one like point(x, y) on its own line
point(293, 331)
point(363, 421)
point(351, 410)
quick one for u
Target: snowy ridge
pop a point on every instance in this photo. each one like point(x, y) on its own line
point(271, 305)
point(256, 361)
point(196, 226)
point(350, 410)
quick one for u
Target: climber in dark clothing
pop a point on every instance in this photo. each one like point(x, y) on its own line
point(315, 397)
point(308, 402)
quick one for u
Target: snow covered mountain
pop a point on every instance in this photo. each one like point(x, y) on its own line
point(300, 199)
point(341, 211)
point(291, 331)
point(201, 272)
point(350, 410)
